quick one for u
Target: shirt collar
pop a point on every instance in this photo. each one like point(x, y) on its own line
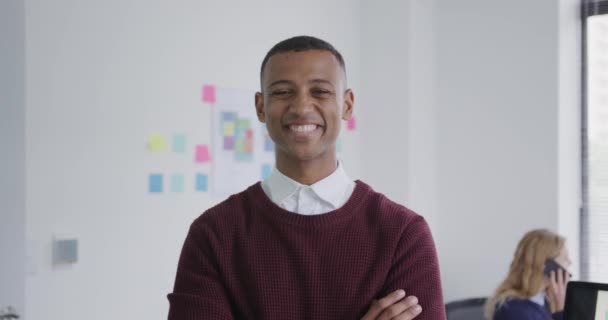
point(538, 298)
point(331, 188)
point(280, 186)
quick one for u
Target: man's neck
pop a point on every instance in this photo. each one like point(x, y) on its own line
point(307, 172)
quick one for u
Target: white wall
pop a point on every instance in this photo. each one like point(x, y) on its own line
point(484, 99)
point(12, 155)
point(101, 75)
point(382, 107)
point(496, 135)
point(500, 165)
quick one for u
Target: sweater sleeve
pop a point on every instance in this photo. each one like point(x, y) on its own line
point(415, 269)
point(198, 292)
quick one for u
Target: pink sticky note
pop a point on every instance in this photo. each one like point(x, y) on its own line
point(209, 93)
point(351, 124)
point(202, 153)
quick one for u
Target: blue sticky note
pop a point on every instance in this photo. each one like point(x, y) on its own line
point(228, 116)
point(155, 182)
point(240, 133)
point(266, 169)
point(268, 144)
point(201, 182)
point(179, 143)
point(243, 156)
point(177, 182)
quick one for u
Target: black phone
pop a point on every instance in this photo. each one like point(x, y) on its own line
point(552, 265)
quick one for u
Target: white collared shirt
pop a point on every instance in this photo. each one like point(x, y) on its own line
point(539, 298)
point(328, 194)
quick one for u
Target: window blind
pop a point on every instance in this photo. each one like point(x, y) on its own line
point(594, 218)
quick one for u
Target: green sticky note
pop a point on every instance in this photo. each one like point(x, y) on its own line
point(177, 182)
point(243, 124)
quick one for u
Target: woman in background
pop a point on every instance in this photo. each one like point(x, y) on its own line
point(528, 293)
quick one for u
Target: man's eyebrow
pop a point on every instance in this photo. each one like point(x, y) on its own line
point(322, 81)
point(280, 82)
point(289, 82)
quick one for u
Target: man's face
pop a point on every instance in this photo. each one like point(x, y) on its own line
point(303, 101)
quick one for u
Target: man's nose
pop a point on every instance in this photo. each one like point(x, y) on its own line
point(302, 102)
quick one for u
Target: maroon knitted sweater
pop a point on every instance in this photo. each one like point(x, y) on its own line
point(247, 258)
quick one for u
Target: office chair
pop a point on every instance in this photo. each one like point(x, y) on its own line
point(467, 309)
point(8, 313)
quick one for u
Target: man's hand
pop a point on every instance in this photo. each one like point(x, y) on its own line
point(394, 306)
point(556, 291)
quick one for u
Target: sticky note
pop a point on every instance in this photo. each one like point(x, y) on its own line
point(248, 148)
point(351, 125)
point(209, 93)
point(179, 143)
point(202, 153)
point(177, 182)
point(268, 144)
point(243, 157)
point(228, 116)
point(229, 129)
point(155, 183)
point(239, 145)
point(228, 143)
point(243, 123)
point(240, 133)
point(157, 142)
point(266, 169)
point(249, 134)
point(201, 182)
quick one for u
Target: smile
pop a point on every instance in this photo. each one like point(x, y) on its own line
point(303, 128)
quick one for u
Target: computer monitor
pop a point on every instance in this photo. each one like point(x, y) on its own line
point(586, 301)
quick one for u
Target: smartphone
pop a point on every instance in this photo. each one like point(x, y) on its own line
point(552, 265)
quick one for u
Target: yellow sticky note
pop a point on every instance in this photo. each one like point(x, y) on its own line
point(229, 129)
point(157, 142)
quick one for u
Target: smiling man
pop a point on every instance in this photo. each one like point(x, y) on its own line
point(308, 242)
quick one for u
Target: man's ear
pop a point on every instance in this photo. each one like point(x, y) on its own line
point(259, 107)
point(349, 103)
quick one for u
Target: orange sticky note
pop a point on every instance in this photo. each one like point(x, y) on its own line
point(202, 153)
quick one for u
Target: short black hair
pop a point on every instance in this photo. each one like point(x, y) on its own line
point(302, 43)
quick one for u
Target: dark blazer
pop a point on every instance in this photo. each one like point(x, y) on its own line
point(524, 309)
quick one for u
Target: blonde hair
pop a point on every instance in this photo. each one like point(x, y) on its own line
point(526, 273)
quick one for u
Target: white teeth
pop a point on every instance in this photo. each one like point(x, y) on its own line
point(304, 128)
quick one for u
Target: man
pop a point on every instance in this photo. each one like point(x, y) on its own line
point(308, 242)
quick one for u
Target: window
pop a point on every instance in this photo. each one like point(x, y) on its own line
point(594, 222)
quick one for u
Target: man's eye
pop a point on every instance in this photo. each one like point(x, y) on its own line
point(321, 92)
point(279, 92)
